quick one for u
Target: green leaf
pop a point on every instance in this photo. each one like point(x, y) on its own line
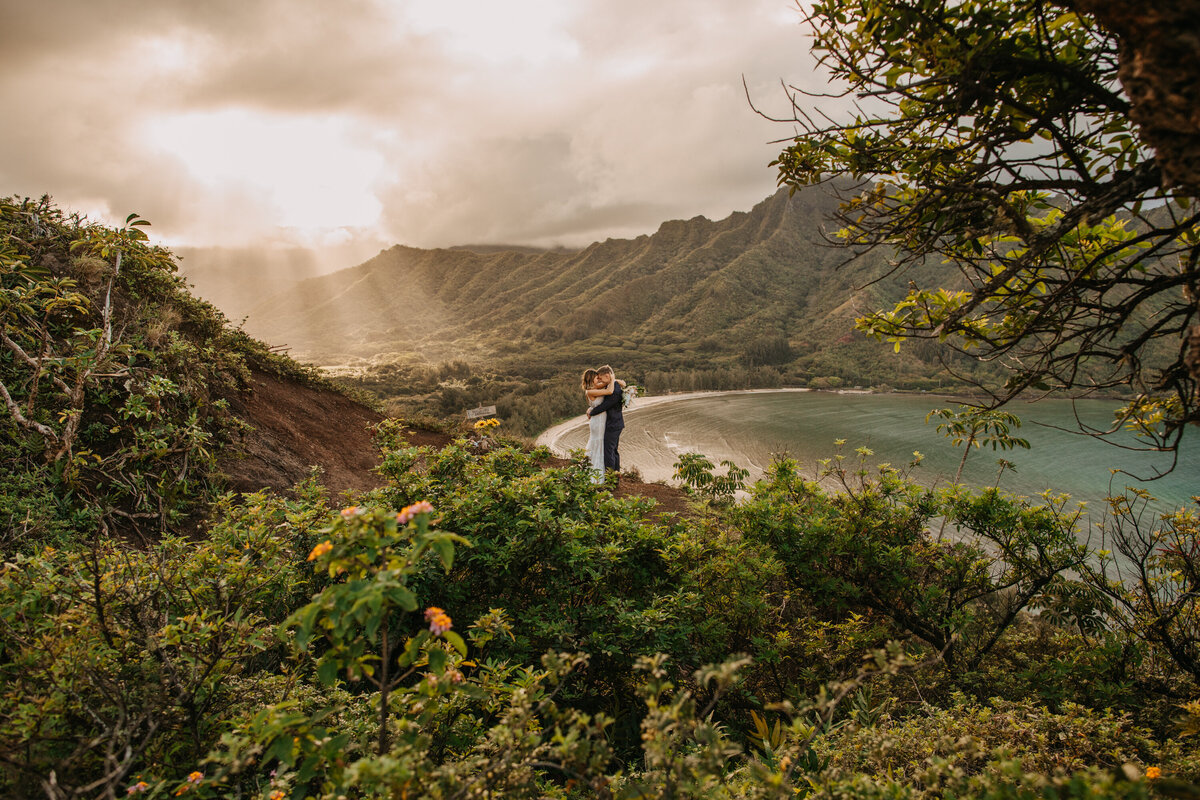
point(437, 660)
point(327, 671)
point(456, 641)
point(306, 619)
point(280, 749)
point(445, 551)
point(405, 598)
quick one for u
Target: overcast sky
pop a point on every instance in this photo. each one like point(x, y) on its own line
point(422, 122)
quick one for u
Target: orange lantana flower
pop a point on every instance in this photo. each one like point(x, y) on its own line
point(320, 550)
point(439, 621)
point(408, 512)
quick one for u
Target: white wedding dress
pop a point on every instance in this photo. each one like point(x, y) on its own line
point(595, 445)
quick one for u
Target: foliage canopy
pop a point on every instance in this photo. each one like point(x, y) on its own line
point(995, 136)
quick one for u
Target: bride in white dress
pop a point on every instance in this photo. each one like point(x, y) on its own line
point(595, 447)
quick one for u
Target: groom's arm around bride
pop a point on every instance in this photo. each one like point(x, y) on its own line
point(612, 404)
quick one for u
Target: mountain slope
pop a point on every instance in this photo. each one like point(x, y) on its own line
point(759, 298)
point(748, 275)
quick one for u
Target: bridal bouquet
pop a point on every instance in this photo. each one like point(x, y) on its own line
point(628, 395)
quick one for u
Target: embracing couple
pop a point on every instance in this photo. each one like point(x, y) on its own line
point(605, 396)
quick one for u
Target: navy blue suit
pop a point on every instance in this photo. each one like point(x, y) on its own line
point(614, 423)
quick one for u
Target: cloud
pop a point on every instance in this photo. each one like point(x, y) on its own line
point(423, 122)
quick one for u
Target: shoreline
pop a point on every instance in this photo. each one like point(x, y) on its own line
point(890, 423)
point(551, 436)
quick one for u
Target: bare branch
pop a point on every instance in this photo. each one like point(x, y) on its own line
point(21, 420)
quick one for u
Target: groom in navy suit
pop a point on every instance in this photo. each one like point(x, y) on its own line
point(614, 423)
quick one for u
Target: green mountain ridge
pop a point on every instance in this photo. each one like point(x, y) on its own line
point(697, 293)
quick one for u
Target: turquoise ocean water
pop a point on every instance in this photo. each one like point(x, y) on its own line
point(752, 428)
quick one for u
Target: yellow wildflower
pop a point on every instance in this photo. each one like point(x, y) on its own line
point(1153, 772)
point(320, 550)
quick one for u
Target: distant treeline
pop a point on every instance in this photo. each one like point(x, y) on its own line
point(720, 379)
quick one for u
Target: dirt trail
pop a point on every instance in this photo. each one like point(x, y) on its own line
point(297, 426)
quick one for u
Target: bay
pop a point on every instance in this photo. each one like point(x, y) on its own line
point(752, 428)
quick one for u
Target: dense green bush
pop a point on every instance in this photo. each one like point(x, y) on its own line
point(113, 377)
point(231, 666)
point(868, 548)
point(970, 737)
point(114, 659)
point(573, 569)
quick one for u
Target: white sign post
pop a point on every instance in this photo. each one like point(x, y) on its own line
point(482, 412)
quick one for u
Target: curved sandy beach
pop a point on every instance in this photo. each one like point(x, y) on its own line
point(551, 436)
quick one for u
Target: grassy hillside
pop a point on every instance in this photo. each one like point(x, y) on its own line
point(127, 400)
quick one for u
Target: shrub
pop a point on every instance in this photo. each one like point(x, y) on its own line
point(970, 737)
point(869, 548)
point(114, 660)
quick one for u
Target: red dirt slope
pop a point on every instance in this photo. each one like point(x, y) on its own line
point(295, 427)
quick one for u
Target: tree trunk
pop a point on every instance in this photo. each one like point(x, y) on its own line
point(1160, 70)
